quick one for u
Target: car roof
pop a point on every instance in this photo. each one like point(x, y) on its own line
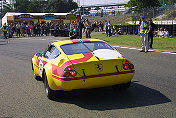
point(59, 43)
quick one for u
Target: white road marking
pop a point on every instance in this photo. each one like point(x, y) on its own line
point(165, 52)
point(124, 47)
point(173, 53)
point(116, 46)
point(133, 48)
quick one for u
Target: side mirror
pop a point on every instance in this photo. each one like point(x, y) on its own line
point(39, 54)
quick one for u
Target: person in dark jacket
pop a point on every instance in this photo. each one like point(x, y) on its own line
point(151, 31)
point(79, 30)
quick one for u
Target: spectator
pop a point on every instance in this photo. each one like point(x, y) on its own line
point(38, 29)
point(144, 34)
point(23, 29)
point(72, 34)
point(5, 29)
point(9, 31)
point(79, 29)
point(32, 29)
point(109, 28)
point(119, 31)
point(102, 26)
point(152, 26)
point(166, 33)
point(139, 26)
point(13, 29)
point(28, 28)
point(87, 26)
point(18, 26)
point(160, 32)
point(106, 27)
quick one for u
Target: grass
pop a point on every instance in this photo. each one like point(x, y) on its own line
point(165, 44)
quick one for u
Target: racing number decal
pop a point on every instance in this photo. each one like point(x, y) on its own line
point(41, 67)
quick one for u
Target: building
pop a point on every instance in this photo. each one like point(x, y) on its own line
point(12, 17)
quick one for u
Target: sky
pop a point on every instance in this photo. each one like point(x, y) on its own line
point(93, 2)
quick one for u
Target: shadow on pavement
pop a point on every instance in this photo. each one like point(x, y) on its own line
point(107, 99)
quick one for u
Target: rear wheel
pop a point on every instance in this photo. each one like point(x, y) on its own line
point(48, 91)
point(38, 78)
point(122, 87)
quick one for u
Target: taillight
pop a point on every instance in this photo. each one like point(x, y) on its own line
point(66, 73)
point(125, 66)
point(128, 65)
point(127, 62)
point(69, 72)
point(73, 73)
point(131, 66)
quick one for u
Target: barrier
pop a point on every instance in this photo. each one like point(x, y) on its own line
point(133, 29)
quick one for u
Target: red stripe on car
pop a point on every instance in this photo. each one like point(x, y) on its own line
point(124, 57)
point(85, 40)
point(93, 76)
point(86, 57)
point(76, 41)
point(44, 63)
point(59, 70)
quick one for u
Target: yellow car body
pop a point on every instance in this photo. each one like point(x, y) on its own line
point(92, 69)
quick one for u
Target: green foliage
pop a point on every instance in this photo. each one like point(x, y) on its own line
point(22, 6)
point(138, 5)
point(38, 6)
point(61, 5)
point(168, 2)
point(135, 41)
point(7, 8)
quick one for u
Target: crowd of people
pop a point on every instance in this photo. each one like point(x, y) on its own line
point(31, 29)
point(162, 33)
point(76, 28)
point(147, 30)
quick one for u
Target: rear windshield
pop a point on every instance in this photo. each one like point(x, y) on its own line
point(98, 45)
point(74, 48)
point(77, 48)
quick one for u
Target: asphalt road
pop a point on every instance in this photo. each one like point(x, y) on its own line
point(152, 94)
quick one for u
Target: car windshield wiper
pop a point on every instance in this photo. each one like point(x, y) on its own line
point(90, 50)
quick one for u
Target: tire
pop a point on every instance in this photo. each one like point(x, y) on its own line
point(122, 87)
point(48, 91)
point(32, 66)
point(38, 78)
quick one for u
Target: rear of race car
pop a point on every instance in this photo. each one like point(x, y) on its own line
point(92, 72)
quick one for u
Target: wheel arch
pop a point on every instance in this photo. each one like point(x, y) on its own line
point(48, 71)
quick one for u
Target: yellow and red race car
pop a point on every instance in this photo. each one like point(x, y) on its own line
point(81, 64)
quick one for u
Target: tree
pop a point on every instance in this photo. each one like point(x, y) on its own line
point(167, 1)
point(61, 6)
point(38, 6)
point(35, 6)
point(22, 6)
point(138, 5)
point(7, 8)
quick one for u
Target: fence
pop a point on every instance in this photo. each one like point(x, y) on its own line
point(133, 29)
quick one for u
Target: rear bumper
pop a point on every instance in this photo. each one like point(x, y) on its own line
point(96, 81)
